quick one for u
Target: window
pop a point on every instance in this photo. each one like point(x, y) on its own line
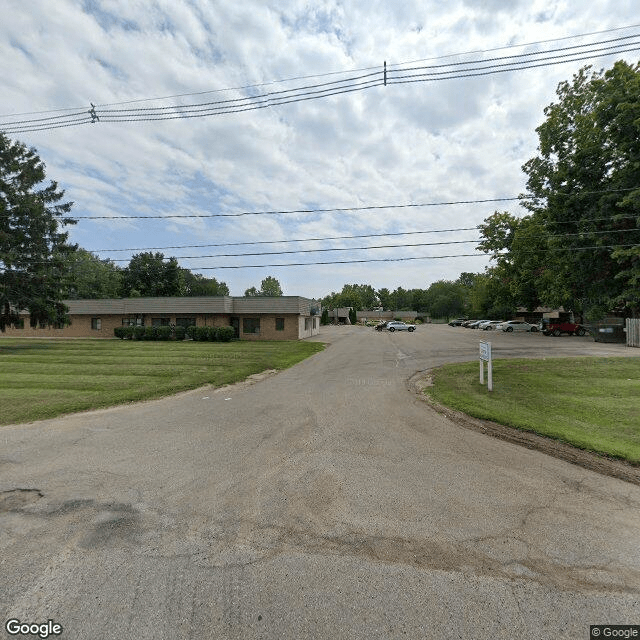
point(279, 324)
point(19, 324)
point(160, 322)
point(251, 325)
point(132, 322)
point(307, 324)
point(96, 324)
point(185, 322)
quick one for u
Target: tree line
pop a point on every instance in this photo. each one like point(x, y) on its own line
point(441, 299)
point(147, 275)
point(577, 247)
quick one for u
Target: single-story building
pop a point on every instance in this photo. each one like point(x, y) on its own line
point(253, 318)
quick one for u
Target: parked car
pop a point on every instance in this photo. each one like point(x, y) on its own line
point(476, 324)
point(490, 325)
point(556, 328)
point(457, 322)
point(466, 323)
point(516, 325)
point(382, 325)
point(396, 325)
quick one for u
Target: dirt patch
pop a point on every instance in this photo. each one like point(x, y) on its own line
point(592, 461)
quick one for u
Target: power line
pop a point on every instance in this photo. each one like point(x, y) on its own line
point(323, 250)
point(365, 235)
point(368, 248)
point(522, 197)
point(233, 244)
point(503, 68)
point(376, 74)
point(330, 73)
point(405, 259)
point(280, 212)
point(322, 90)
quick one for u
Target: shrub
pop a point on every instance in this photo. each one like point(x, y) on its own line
point(202, 334)
point(119, 332)
point(138, 333)
point(191, 332)
point(163, 333)
point(179, 333)
point(151, 333)
point(225, 334)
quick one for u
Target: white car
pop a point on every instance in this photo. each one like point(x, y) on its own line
point(400, 326)
point(488, 325)
point(516, 325)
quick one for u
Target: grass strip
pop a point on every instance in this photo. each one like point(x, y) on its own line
point(590, 403)
point(46, 378)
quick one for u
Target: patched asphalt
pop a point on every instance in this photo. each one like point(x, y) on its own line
point(325, 501)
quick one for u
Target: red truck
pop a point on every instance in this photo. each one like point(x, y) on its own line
point(555, 327)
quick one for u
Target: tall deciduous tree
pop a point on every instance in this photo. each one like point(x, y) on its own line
point(586, 180)
point(196, 284)
point(149, 274)
point(33, 248)
point(444, 299)
point(270, 287)
point(90, 277)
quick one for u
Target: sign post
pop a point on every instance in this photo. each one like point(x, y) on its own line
point(485, 355)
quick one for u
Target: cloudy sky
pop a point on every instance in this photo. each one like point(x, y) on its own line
point(446, 140)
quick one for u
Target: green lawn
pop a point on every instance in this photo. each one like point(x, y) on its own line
point(45, 378)
point(591, 403)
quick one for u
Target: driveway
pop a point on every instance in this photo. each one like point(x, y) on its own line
point(326, 501)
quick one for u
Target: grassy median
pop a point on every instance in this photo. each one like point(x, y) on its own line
point(46, 378)
point(590, 403)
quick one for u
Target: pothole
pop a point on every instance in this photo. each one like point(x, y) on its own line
point(17, 499)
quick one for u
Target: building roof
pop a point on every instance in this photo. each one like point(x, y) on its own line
point(199, 304)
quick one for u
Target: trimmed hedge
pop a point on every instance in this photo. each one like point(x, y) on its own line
point(191, 332)
point(123, 333)
point(201, 334)
point(163, 333)
point(226, 334)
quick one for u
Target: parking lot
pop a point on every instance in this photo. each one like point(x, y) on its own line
point(434, 344)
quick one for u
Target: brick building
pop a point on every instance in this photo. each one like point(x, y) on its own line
point(253, 318)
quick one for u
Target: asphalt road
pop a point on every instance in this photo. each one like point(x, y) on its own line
point(326, 501)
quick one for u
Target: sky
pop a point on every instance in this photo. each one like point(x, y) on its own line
point(450, 139)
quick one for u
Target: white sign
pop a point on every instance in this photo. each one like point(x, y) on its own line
point(485, 356)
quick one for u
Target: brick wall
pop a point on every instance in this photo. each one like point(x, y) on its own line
point(268, 327)
point(81, 326)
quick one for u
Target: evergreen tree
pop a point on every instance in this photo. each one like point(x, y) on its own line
point(33, 249)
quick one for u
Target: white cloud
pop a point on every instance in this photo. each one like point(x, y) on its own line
point(458, 139)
